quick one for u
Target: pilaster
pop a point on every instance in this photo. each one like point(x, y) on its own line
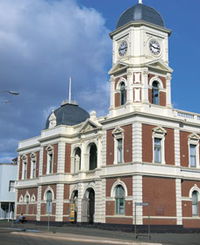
point(41, 161)
point(61, 157)
point(137, 197)
point(39, 197)
point(137, 142)
point(177, 146)
point(59, 202)
point(179, 202)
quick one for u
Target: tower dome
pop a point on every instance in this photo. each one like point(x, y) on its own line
point(68, 114)
point(140, 12)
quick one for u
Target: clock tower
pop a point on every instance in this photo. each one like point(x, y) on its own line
point(140, 76)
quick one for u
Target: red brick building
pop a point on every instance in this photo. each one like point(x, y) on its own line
point(91, 169)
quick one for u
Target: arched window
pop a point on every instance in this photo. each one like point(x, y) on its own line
point(122, 93)
point(77, 160)
point(49, 202)
point(93, 157)
point(155, 93)
point(27, 200)
point(119, 200)
point(24, 170)
point(50, 160)
point(195, 208)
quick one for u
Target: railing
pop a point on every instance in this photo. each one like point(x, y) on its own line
point(187, 115)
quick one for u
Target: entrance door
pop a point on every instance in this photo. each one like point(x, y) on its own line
point(91, 205)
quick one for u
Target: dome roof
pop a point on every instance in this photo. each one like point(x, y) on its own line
point(68, 114)
point(140, 12)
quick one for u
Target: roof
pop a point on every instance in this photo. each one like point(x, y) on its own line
point(69, 114)
point(140, 12)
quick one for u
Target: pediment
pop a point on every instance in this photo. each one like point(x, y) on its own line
point(159, 65)
point(118, 67)
point(159, 130)
point(90, 126)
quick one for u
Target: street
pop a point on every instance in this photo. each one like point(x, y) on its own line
point(31, 234)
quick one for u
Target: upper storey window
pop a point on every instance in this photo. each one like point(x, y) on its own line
point(24, 167)
point(93, 157)
point(155, 93)
point(193, 157)
point(118, 134)
point(77, 160)
point(49, 160)
point(159, 145)
point(33, 166)
point(193, 143)
point(122, 93)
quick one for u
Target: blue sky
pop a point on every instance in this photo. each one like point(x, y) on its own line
point(43, 42)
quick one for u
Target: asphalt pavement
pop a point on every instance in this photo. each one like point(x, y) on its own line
point(28, 233)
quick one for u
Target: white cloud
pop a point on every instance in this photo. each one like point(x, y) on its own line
point(42, 43)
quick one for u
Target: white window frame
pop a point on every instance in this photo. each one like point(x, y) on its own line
point(33, 166)
point(50, 151)
point(159, 133)
point(118, 133)
point(24, 163)
point(193, 139)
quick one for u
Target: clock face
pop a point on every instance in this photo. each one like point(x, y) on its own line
point(154, 47)
point(123, 48)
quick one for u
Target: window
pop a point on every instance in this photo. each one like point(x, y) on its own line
point(195, 211)
point(27, 201)
point(119, 150)
point(118, 134)
point(122, 93)
point(11, 186)
point(93, 157)
point(193, 162)
point(119, 200)
point(50, 161)
point(155, 93)
point(157, 150)
point(159, 145)
point(33, 166)
point(193, 146)
point(49, 202)
point(77, 160)
point(24, 170)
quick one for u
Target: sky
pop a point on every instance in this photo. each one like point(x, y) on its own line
point(44, 42)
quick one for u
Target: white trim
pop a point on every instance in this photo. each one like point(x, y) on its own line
point(45, 193)
point(157, 79)
point(194, 188)
point(193, 139)
point(159, 133)
point(115, 184)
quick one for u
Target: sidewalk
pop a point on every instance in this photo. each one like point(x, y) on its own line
point(97, 235)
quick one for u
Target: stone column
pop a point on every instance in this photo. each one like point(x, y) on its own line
point(178, 202)
point(59, 202)
point(177, 147)
point(61, 157)
point(137, 142)
point(39, 197)
point(137, 197)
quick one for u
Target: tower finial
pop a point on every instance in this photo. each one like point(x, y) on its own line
point(140, 2)
point(70, 90)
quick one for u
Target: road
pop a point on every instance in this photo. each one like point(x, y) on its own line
point(13, 235)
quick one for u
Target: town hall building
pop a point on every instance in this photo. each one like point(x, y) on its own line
point(141, 160)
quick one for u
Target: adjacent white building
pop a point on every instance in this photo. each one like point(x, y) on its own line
point(8, 176)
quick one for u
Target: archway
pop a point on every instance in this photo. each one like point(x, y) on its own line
point(74, 206)
point(88, 206)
